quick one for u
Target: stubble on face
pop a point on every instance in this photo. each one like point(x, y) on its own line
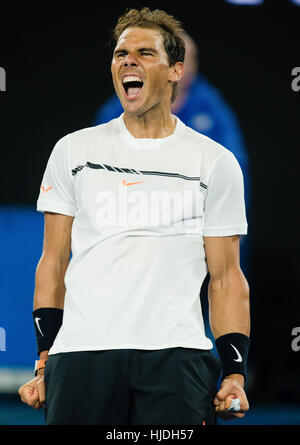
point(141, 52)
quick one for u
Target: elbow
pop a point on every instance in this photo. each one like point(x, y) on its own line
point(231, 283)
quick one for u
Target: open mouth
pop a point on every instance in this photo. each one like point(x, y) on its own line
point(132, 86)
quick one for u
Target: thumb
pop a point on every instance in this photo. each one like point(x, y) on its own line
point(223, 394)
point(225, 403)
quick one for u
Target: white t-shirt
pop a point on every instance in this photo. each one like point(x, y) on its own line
point(141, 208)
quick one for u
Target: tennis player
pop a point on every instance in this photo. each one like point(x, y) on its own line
point(147, 207)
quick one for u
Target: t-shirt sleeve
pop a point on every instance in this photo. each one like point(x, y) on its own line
point(56, 192)
point(224, 205)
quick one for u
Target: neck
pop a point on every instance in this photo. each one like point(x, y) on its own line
point(152, 124)
point(183, 92)
point(180, 100)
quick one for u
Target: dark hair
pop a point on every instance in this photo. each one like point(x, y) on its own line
point(169, 27)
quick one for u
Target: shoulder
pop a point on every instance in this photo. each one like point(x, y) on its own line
point(77, 144)
point(206, 146)
point(95, 131)
point(214, 159)
point(87, 137)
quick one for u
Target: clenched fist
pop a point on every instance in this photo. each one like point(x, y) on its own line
point(231, 388)
point(33, 392)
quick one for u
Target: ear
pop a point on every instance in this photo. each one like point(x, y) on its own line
point(176, 72)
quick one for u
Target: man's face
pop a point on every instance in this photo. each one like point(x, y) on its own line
point(140, 70)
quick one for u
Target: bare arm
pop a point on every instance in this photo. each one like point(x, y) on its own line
point(229, 310)
point(228, 290)
point(49, 288)
point(50, 272)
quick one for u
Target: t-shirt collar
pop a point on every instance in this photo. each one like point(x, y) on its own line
point(150, 141)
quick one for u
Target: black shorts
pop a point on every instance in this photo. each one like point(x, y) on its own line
point(173, 386)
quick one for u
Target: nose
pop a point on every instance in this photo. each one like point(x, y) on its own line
point(130, 60)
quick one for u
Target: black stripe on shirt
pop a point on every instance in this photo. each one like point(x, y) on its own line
point(133, 171)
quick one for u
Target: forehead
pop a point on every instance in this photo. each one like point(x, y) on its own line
point(140, 37)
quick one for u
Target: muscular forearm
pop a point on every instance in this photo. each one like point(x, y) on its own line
point(229, 305)
point(49, 284)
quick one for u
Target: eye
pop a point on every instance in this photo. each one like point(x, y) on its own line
point(119, 54)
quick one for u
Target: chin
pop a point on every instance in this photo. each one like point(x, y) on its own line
point(133, 108)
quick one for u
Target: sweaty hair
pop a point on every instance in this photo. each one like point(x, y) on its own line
point(169, 27)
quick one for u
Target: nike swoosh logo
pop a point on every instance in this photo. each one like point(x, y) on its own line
point(38, 325)
point(239, 357)
point(131, 183)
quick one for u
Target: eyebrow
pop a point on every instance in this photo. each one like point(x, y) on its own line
point(150, 50)
point(140, 50)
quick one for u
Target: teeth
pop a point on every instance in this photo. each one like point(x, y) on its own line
point(132, 79)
